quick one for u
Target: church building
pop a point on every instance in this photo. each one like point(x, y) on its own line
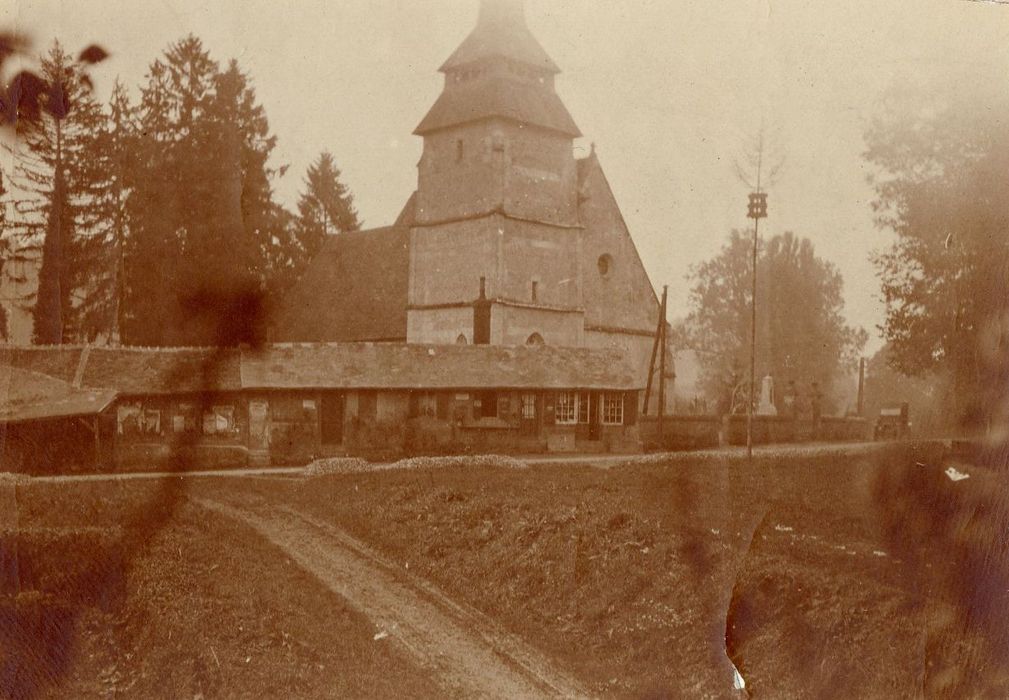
point(508, 238)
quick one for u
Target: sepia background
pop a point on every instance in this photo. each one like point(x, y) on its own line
point(670, 93)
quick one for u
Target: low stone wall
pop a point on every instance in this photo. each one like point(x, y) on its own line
point(779, 429)
point(682, 432)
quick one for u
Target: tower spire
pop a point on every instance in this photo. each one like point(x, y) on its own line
point(502, 12)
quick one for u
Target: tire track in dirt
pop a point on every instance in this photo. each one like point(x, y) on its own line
point(463, 649)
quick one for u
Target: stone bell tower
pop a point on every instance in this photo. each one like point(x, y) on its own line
point(497, 194)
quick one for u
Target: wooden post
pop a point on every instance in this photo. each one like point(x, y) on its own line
point(861, 387)
point(662, 367)
point(659, 332)
point(98, 445)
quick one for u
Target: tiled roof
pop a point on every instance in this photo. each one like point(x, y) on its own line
point(130, 370)
point(354, 290)
point(499, 97)
point(59, 361)
point(408, 215)
point(163, 370)
point(26, 395)
point(402, 366)
point(110, 372)
point(501, 31)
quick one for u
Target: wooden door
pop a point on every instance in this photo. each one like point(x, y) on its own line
point(594, 429)
point(529, 414)
point(331, 419)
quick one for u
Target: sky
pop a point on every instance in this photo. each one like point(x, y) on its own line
point(670, 92)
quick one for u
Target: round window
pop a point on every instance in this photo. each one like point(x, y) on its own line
point(605, 264)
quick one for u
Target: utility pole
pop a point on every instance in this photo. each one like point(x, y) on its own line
point(757, 211)
point(861, 387)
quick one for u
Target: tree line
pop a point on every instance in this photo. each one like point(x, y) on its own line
point(142, 211)
point(802, 337)
point(939, 157)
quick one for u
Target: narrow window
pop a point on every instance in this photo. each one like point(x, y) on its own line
point(458, 151)
point(529, 406)
point(605, 264)
point(613, 409)
point(567, 408)
point(583, 407)
point(535, 289)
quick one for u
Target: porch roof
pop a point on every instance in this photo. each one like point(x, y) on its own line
point(26, 395)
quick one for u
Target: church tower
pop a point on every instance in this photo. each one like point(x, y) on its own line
point(508, 239)
point(495, 222)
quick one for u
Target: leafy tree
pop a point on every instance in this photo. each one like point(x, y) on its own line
point(801, 334)
point(60, 178)
point(941, 159)
point(326, 207)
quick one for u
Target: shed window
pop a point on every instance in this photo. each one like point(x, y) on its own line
point(220, 420)
point(583, 407)
point(529, 406)
point(184, 421)
point(427, 404)
point(535, 339)
point(567, 408)
point(461, 340)
point(613, 409)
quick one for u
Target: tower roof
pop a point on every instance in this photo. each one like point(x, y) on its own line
point(501, 31)
point(518, 102)
point(500, 70)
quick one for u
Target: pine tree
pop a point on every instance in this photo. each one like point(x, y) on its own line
point(60, 177)
point(326, 207)
point(202, 221)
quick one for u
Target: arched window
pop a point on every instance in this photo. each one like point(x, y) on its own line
point(461, 340)
point(535, 339)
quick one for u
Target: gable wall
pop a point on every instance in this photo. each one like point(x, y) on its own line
point(624, 298)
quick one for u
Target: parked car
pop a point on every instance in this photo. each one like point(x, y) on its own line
point(892, 423)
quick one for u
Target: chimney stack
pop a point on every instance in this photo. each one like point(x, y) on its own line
point(481, 316)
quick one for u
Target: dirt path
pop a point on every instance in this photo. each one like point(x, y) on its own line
point(465, 651)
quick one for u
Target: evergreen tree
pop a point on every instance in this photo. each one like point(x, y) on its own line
point(117, 145)
point(60, 177)
point(202, 221)
point(326, 207)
